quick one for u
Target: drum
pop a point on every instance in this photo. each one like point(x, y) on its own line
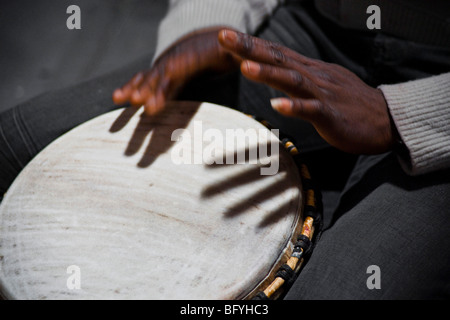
point(127, 206)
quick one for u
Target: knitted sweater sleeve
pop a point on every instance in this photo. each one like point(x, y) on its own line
point(421, 112)
point(185, 16)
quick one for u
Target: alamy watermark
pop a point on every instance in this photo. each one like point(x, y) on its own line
point(74, 280)
point(374, 20)
point(74, 20)
point(374, 280)
point(235, 146)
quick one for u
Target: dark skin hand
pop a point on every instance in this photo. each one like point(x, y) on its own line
point(346, 112)
point(192, 56)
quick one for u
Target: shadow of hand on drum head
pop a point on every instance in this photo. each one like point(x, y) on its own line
point(160, 127)
point(258, 194)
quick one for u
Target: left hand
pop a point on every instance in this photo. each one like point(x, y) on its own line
point(196, 53)
point(345, 111)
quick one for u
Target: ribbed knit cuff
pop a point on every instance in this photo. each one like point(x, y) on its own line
point(187, 16)
point(421, 112)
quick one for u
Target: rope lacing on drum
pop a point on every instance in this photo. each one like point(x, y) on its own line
point(312, 226)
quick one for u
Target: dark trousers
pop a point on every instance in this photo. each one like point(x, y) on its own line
point(374, 214)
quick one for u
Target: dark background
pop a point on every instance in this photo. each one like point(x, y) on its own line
point(38, 53)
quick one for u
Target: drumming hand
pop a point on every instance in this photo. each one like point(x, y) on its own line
point(346, 112)
point(192, 56)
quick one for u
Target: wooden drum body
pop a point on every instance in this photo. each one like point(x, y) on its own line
point(104, 212)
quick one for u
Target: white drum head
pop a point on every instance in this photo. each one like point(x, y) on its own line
point(104, 212)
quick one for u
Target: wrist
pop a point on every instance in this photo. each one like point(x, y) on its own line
point(397, 144)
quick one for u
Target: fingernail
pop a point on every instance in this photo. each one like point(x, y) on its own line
point(150, 105)
point(136, 97)
point(117, 92)
point(117, 95)
point(253, 68)
point(137, 79)
point(229, 36)
point(281, 104)
point(151, 102)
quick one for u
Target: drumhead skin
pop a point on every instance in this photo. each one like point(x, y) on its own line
point(105, 212)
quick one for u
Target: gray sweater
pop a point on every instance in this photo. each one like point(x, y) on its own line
point(420, 109)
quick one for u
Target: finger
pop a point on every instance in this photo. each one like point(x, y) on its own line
point(290, 81)
point(260, 50)
point(123, 94)
point(156, 102)
point(306, 109)
point(146, 88)
point(150, 107)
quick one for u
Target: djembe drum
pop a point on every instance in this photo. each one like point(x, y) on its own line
point(107, 211)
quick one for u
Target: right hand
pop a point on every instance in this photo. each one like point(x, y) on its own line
point(190, 57)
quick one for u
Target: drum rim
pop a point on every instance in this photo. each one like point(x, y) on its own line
point(5, 291)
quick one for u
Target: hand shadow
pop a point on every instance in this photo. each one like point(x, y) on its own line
point(258, 196)
point(174, 116)
point(178, 115)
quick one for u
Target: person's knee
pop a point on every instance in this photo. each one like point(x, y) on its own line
point(392, 243)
